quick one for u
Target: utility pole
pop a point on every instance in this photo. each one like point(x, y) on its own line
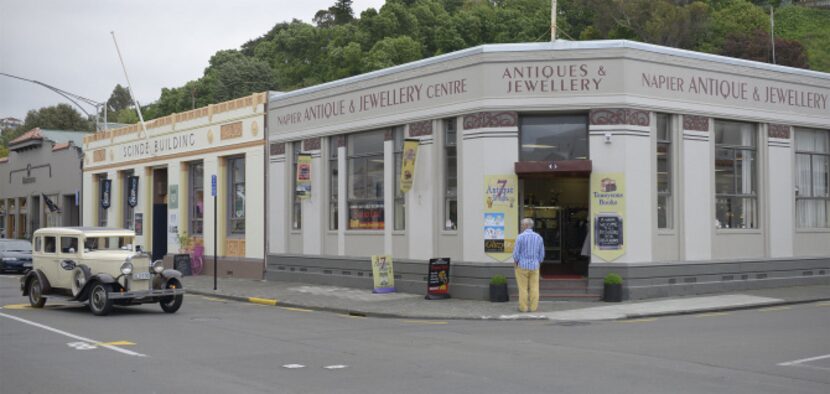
point(772, 31)
point(553, 20)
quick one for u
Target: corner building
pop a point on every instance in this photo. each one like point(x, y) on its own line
point(168, 172)
point(684, 172)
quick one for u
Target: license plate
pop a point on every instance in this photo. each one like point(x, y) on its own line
point(141, 275)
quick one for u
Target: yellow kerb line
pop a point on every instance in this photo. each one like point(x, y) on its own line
point(638, 320)
point(262, 301)
point(424, 321)
point(713, 314)
point(296, 309)
point(117, 343)
point(775, 308)
point(826, 303)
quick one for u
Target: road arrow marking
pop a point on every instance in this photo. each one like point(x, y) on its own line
point(293, 366)
point(335, 366)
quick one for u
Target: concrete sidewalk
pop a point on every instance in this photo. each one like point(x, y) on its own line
point(362, 302)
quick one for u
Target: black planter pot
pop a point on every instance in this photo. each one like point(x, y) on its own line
point(613, 293)
point(498, 293)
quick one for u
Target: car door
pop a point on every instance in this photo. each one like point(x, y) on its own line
point(68, 251)
point(47, 260)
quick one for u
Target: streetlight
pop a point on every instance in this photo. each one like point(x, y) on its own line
point(74, 98)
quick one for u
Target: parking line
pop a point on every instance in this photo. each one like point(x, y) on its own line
point(296, 309)
point(117, 343)
point(73, 336)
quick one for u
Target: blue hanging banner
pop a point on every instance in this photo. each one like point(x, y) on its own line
point(132, 194)
point(106, 189)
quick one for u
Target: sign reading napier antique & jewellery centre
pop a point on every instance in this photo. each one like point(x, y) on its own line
point(304, 176)
point(383, 274)
point(438, 279)
point(608, 215)
point(410, 152)
point(500, 215)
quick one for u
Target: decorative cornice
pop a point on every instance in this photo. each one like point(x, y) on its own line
point(695, 123)
point(779, 131)
point(311, 144)
point(419, 129)
point(482, 120)
point(619, 116)
point(277, 148)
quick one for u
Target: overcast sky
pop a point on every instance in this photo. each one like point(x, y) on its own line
point(165, 43)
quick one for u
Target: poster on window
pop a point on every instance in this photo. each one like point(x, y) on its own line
point(106, 193)
point(173, 229)
point(303, 176)
point(173, 197)
point(608, 215)
point(139, 224)
point(383, 274)
point(366, 216)
point(132, 193)
point(410, 153)
point(501, 215)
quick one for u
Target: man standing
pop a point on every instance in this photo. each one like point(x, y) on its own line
point(528, 253)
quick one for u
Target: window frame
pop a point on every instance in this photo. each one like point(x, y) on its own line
point(735, 196)
point(367, 157)
point(127, 212)
point(231, 195)
point(668, 195)
point(296, 202)
point(193, 187)
point(102, 212)
point(799, 195)
point(398, 197)
point(449, 125)
point(334, 190)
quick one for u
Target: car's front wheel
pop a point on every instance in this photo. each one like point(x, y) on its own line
point(99, 301)
point(36, 293)
point(171, 304)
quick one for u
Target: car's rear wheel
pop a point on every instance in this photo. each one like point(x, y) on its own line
point(36, 293)
point(171, 304)
point(99, 301)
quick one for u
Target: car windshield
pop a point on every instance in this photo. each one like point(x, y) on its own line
point(15, 246)
point(108, 243)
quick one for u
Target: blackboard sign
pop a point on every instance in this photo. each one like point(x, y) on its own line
point(438, 279)
point(181, 263)
point(608, 231)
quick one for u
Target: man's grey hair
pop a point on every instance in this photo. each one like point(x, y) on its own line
point(527, 223)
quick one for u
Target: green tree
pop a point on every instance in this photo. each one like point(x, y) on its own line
point(57, 117)
point(119, 99)
point(392, 51)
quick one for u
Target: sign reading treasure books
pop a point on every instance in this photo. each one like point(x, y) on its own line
point(438, 279)
point(410, 152)
point(303, 176)
point(608, 214)
point(383, 274)
point(500, 215)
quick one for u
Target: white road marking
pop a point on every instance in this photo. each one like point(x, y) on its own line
point(73, 336)
point(335, 366)
point(293, 366)
point(804, 360)
point(81, 345)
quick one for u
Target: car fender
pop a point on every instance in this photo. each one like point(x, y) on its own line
point(171, 273)
point(91, 281)
point(46, 288)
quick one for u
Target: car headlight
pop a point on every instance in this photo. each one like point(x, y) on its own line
point(158, 266)
point(127, 268)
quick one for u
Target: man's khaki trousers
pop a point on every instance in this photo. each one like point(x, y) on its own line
point(528, 282)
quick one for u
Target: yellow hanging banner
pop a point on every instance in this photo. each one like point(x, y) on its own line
point(501, 210)
point(608, 215)
point(303, 176)
point(410, 152)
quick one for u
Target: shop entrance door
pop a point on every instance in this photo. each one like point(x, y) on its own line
point(559, 209)
point(159, 213)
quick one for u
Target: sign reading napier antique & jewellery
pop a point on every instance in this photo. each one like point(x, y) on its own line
point(303, 176)
point(383, 274)
point(410, 152)
point(106, 192)
point(500, 215)
point(608, 215)
point(132, 196)
point(438, 279)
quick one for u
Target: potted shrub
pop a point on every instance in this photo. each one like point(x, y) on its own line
point(613, 287)
point(498, 289)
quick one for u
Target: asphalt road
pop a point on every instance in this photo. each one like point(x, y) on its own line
point(217, 346)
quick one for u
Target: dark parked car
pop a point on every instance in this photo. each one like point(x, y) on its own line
point(15, 255)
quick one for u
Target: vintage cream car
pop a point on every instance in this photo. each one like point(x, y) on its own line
point(98, 265)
